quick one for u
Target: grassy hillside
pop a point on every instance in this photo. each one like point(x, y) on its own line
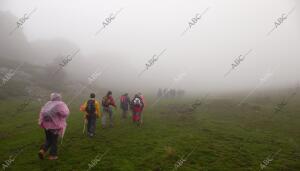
point(215, 136)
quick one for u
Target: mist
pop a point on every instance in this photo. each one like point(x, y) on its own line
point(199, 42)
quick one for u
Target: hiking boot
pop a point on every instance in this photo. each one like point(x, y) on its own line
point(53, 158)
point(42, 154)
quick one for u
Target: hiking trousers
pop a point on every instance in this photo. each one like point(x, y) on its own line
point(91, 125)
point(107, 113)
point(124, 113)
point(136, 116)
point(51, 141)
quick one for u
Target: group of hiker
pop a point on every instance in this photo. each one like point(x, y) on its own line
point(54, 113)
point(170, 93)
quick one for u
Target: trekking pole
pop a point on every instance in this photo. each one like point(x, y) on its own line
point(62, 137)
point(84, 124)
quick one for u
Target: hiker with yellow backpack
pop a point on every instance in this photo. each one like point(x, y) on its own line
point(92, 112)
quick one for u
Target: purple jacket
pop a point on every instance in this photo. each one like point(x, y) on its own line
point(54, 114)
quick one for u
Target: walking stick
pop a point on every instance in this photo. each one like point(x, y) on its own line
point(62, 137)
point(84, 124)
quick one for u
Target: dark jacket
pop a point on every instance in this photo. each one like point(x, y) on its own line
point(124, 102)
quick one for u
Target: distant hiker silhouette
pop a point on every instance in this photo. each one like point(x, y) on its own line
point(108, 101)
point(124, 105)
point(137, 106)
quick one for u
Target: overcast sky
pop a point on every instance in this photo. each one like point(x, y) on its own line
point(199, 59)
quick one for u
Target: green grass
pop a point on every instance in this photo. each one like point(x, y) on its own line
point(218, 136)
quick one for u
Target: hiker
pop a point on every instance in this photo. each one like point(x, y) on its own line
point(92, 112)
point(52, 119)
point(137, 106)
point(144, 104)
point(108, 101)
point(142, 97)
point(124, 105)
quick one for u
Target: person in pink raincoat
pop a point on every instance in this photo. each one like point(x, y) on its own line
point(53, 120)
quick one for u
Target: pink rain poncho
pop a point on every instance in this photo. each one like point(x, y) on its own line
point(54, 114)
